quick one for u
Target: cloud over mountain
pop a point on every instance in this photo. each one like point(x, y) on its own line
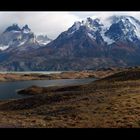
point(53, 23)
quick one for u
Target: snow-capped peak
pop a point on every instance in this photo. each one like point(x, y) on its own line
point(124, 27)
point(119, 27)
point(77, 25)
point(91, 22)
point(91, 27)
point(14, 27)
point(74, 27)
point(26, 29)
point(21, 38)
point(43, 39)
point(136, 24)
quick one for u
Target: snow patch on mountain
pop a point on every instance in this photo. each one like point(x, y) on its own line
point(26, 31)
point(108, 40)
point(2, 48)
point(137, 26)
point(74, 28)
point(91, 36)
point(22, 43)
point(43, 40)
point(15, 31)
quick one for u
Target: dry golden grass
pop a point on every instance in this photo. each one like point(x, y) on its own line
point(110, 102)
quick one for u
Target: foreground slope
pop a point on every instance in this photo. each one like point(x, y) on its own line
point(113, 101)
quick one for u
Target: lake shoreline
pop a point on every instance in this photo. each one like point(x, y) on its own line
point(112, 101)
point(16, 76)
point(9, 89)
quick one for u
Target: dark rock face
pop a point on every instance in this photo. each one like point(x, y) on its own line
point(26, 28)
point(14, 27)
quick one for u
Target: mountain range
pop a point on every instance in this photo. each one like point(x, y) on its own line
point(21, 38)
point(86, 45)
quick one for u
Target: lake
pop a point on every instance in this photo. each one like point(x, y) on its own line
point(8, 90)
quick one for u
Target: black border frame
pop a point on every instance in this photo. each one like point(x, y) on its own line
point(71, 5)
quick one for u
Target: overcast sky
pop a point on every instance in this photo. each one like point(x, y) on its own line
point(52, 23)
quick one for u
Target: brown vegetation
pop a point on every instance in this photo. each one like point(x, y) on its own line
point(113, 101)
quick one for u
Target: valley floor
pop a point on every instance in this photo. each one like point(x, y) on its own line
point(113, 101)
